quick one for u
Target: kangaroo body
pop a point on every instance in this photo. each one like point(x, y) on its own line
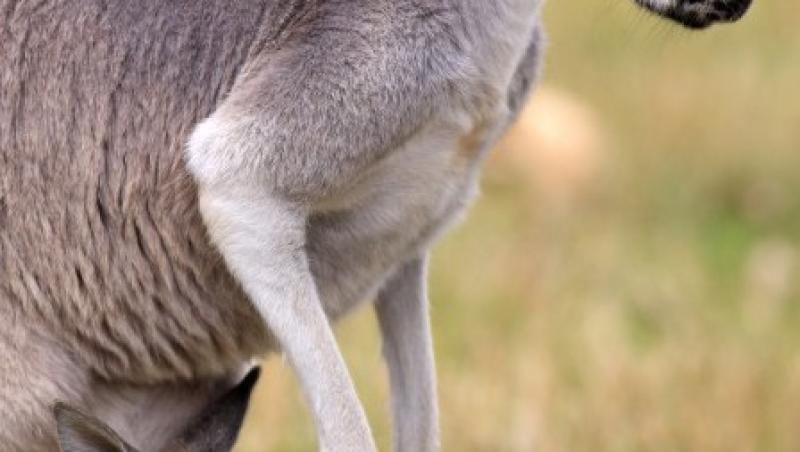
point(188, 185)
point(113, 290)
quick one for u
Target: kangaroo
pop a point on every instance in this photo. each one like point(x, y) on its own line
point(188, 185)
point(214, 429)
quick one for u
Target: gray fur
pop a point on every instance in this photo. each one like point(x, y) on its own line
point(214, 429)
point(329, 144)
point(114, 293)
point(106, 275)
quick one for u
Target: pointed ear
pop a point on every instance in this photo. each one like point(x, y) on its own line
point(78, 432)
point(217, 426)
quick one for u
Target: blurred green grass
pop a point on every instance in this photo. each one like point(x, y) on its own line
point(650, 306)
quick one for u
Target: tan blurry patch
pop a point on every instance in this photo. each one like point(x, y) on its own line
point(471, 144)
point(557, 140)
point(768, 274)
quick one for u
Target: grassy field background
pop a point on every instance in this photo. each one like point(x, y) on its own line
point(629, 281)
